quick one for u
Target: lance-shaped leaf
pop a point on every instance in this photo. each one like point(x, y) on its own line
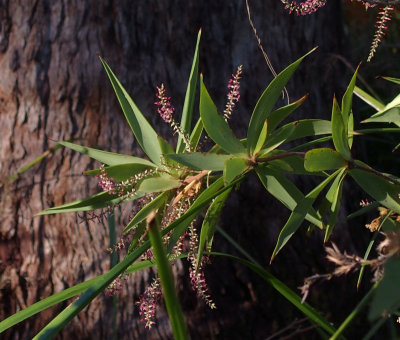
point(267, 102)
point(299, 129)
point(121, 172)
point(163, 182)
point(387, 295)
point(143, 131)
point(234, 167)
point(262, 138)
point(389, 114)
point(347, 99)
point(279, 137)
point(339, 132)
point(188, 104)
point(367, 98)
point(277, 116)
point(196, 134)
point(142, 214)
point(286, 192)
point(380, 189)
point(209, 223)
point(393, 80)
point(201, 160)
point(298, 215)
point(97, 201)
point(109, 158)
point(334, 197)
point(323, 159)
point(216, 127)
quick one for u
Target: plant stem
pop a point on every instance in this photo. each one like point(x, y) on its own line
point(280, 156)
point(167, 280)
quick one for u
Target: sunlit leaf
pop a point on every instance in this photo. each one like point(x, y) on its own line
point(201, 160)
point(143, 131)
point(367, 98)
point(267, 102)
point(163, 182)
point(142, 214)
point(109, 158)
point(187, 112)
point(347, 99)
point(323, 159)
point(121, 172)
point(97, 201)
point(234, 167)
point(339, 132)
point(216, 127)
point(277, 116)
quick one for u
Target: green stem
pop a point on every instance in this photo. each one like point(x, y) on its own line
point(167, 280)
point(355, 311)
point(280, 156)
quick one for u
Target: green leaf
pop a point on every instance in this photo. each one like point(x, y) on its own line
point(339, 133)
point(156, 203)
point(387, 295)
point(196, 134)
point(267, 102)
point(209, 224)
point(216, 127)
point(367, 98)
point(143, 131)
point(299, 129)
point(163, 182)
point(277, 116)
point(348, 99)
point(350, 129)
point(323, 159)
point(62, 319)
point(234, 167)
point(62, 296)
point(383, 191)
point(121, 172)
point(298, 215)
point(285, 191)
point(97, 201)
point(334, 197)
point(389, 114)
point(277, 138)
point(201, 160)
point(188, 104)
point(109, 158)
point(164, 270)
point(393, 80)
point(262, 138)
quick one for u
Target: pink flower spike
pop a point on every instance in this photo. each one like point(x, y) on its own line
point(233, 95)
point(165, 109)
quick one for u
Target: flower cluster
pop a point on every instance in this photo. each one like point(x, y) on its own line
point(381, 27)
point(234, 93)
point(148, 303)
point(105, 182)
point(116, 285)
point(166, 110)
point(196, 273)
point(117, 247)
point(303, 8)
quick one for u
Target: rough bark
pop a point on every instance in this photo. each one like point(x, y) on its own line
point(53, 88)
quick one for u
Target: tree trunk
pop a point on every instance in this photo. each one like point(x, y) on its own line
point(53, 88)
